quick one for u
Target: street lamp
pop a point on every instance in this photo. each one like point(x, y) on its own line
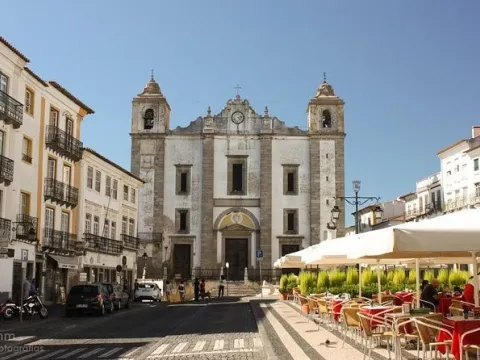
point(227, 265)
point(356, 201)
point(145, 258)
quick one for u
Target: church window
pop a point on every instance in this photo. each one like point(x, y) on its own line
point(182, 221)
point(326, 119)
point(182, 179)
point(148, 119)
point(237, 175)
point(290, 221)
point(125, 192)
point(290, 179)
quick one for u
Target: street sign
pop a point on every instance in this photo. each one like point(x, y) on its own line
point(24, 255)
point(259, 254)
point(24, 264)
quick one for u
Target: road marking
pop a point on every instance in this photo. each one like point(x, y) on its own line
point(127, 355)
point(160, 349)
point(238, 343)
point(50, 355)
point(179, 347)
point(29, 356)
point(71, 353)
point(257, 343)
point(90, 353)
point(110, 353)
point(291, 345)
point(218, 345)
point(199, 346)
point(214, 352)
point(94, 341)
point(21, 338)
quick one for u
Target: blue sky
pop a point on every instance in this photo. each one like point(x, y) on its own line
point(407, 70)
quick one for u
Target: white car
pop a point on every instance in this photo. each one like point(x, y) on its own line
point(148, 291)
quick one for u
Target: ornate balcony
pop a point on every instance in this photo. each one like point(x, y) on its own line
point(61, 193)
point(5, 231)
point(63, 143)
point(99, 243)
point(130, 242)
point(58, 241)
point(25, 228)
point(6, 170)
point(11, 111)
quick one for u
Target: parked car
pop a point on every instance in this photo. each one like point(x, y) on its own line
point(91, 298)
point(121, 297)
point(148, 291)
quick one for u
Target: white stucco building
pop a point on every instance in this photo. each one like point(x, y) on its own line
point(391, 212)
point(460, 172)
point(236, 182)
point(107, 218)
point(39, 146)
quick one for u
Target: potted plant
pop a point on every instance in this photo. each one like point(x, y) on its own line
point(308, 283)
point(283, 287)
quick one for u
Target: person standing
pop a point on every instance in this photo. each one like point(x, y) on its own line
point(167, 290)
point(221, 286)
point(181, 290)
point(26, 288)
point(196, 289)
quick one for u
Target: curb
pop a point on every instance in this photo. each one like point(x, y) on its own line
point(255, 307)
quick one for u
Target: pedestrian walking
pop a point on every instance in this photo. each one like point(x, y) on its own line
point(181, 290)
point(26, 288)
point(203, 294)
point(167, 290)
point(221, 286)
point(196, 289)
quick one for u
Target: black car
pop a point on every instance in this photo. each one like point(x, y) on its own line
point(91, 298)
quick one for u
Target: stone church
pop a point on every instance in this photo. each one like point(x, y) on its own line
point(234, 182)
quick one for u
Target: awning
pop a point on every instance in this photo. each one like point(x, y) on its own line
point(65, 262)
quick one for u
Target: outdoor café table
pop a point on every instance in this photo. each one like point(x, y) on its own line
point(374, 310)
point(460, 326)
point(403, 296)
point(444, 303)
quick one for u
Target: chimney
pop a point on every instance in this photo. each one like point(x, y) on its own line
point(475, 131)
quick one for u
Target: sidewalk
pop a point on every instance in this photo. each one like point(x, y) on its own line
point(305, 340)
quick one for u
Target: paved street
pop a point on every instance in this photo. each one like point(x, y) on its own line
point(217, 330)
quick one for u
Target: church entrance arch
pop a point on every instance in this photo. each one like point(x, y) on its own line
point(237, 239)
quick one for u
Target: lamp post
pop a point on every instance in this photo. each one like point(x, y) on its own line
point(356, 201)
point(145, 258)
point(227, 265)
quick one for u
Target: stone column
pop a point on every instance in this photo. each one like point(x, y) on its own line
point(158, 196)
point(208, 256)
point(314, 189)
point(266, 199)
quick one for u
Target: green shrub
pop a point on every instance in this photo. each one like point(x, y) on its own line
point(352, 277)
point(283, 284)
point(337, 277)
point(458, 278)
point(390, 275)
point(308, 283)
point(443, 277)
point(428, 275)
point(399, 278)
point(412, 277)
point(292, 281)
point(323, 281)
point(368, 277)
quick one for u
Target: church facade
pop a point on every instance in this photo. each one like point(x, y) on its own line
point(235, 182)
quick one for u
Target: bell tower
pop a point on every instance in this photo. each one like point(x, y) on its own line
point(150, 121)
point(326, 129)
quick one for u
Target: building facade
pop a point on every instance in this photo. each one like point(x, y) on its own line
point(427, 200)
point(39, 148)
point(236, 182)
point(107, 220)
point(391, 211)
point(460, 173)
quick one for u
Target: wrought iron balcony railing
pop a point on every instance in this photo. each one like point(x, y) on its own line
point(11, 111)
point(27, 158)
point(58, 240)
point(25, 228)
point(130, 242)
point(102, 244)
point(6, 170)
point(63, 143)
point(60, 192)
